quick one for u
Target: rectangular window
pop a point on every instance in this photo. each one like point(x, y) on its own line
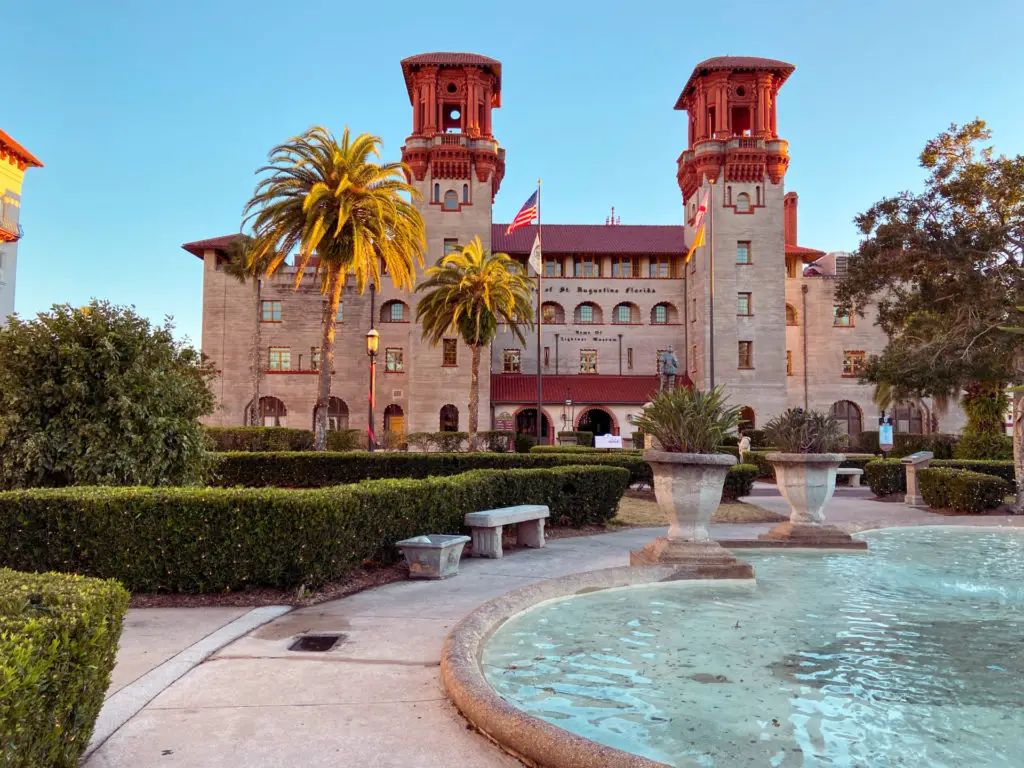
point(280, 358)
point(339, 316)
point(397, 312)
point(547, 357)
point(660, 266)
point(842, 263)
point(394, 360)
point(625, 266)
point(512, 361)
point(623, 314)
point(854, 361)
point(450, 352)
point(789, 362)
point(743, 306)
point(588, 361)
point(841, 319)
point(552, 267)
point(586, 313)
point(743, 252)
point(693, 313)
point(271, 311)
point(746, 354)
point(693, 358)
point(549, 312)
point(586, 267)
point(451, 245)
point(314, 358)
point(629, 358)
point(660, 316)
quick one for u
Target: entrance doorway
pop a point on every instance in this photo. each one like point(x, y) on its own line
point(394, 420)
point(526, 424)
point(596, 420)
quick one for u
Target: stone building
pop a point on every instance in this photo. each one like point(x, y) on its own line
point(14, 161)
point(751, 311)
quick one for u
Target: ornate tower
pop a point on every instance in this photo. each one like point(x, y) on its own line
point(735, 155)
point(14, 161)
point(457, 166)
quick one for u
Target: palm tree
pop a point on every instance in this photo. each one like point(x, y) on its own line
point(342, 214)
point(244, 265)
point(469, 293)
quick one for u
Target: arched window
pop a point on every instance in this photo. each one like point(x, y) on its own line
point(449, 418)
point(790, 315)
point(908, 419)
point(588, 312)
point(272, 412)
point(742, 203)
point(337, 414)
point(394, 312)
point(465, 193)
point(437, 193)
point(849, 416)
point(626, 314)
point(552, 313)
point(664, 313)
point(747, 420)
point(451, 200)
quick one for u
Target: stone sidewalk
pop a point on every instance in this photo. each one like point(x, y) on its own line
point(376, 698)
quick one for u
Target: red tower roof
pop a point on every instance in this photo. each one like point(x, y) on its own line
point(736, 64)
point(199, 247)
point(10, 148)
point(440, 59)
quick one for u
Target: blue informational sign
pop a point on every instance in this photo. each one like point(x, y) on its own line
point(885, 437)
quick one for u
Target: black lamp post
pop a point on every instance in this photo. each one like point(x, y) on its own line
point(372, 341)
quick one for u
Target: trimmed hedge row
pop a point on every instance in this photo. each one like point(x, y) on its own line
point(213, 539)
point(58, 643)
point(278, 439)
point(939, 443)
point(961, 491)
point(739, 481)
point(586, 449)
point(583, 437)
point(888, 476)
point(759, 459)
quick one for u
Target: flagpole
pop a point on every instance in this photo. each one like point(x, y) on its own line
point(711, 265)
point(540, 321)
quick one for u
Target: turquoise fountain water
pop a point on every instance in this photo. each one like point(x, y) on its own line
point(912, 655)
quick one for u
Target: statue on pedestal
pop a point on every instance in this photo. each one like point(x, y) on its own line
point(669, 368)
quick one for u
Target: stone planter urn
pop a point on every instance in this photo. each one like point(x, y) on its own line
point(807, 481)
point(433, 557)
point(688, 489)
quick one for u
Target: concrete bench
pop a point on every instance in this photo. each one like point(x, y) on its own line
point(853, 474)
point(486, 527)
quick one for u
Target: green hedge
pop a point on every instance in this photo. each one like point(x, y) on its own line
point(857, 460)
point(759, 459)
point(583, 437)
point(446, 442)
point(278, 439)
point(212, 539)
point(961, 491)
point(940, 444)
point(586, 449)
point(888, 476)
point(984, 448)
point(58, 642)
point(739, 481)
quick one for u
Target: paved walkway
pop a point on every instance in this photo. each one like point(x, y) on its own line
point(376, 699)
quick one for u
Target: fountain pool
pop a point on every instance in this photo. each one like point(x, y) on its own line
point(912, 655)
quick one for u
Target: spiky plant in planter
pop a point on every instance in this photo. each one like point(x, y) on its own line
point(805, 470)
point(689, 425)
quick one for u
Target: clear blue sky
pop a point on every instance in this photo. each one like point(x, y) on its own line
point(151, 117)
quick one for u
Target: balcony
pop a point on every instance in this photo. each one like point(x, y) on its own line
point(10, 230)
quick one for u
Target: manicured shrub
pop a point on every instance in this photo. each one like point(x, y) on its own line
point(732, 450)
point(961, 491)
point(1001, 469)
point(346, 439)
point(446, 442)
point(582, 437)
point(941, 445)
point(213, 539)
point(58, 642)
point(758, 439)
point(317, 469)
point(857, 460)
point(739, 481)
point(885, 477)
point(759, 459)
point(259, 438)
point(524, 442)
point(498, 440)
point(984, 447)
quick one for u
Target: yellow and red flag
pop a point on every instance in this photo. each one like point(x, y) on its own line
point(698, 224)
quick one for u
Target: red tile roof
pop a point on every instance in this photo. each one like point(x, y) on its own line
point(199, 247)
point(738, 64)
point(593, 238)
point(511, 388)
point(799, 250)
point(410, 64)
point(9, 146)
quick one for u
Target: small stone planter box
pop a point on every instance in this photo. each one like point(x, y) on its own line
point(433, 557)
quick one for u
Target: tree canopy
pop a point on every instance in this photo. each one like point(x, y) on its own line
point(100, 396)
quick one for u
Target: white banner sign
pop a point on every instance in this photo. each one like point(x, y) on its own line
point(885, 437)
point(607, 441)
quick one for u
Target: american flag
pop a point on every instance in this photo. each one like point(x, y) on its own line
point(526, 215)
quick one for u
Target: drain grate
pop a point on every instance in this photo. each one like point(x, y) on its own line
point(316, 643)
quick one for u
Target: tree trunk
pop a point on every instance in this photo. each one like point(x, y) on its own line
point(323, 392)
point(1018, 428)
point(253, 416)
point(474, 390)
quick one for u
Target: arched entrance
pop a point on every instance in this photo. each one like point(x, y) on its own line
point(909, 419)
point(747, 419)
point(272, 412)
point(394, 419)
point(337, 414)
point(526, 424)
point(849, 416)
point(596, 420)
point(449, 418)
